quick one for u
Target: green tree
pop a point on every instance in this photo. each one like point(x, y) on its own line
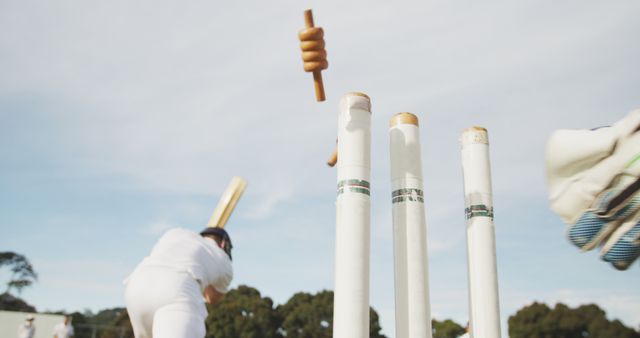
point(108, 323)
point(107, 316)
point(539, 321)
point(374, 324)
point(446, 329)
point(243, 312)
point(80, 318)
point(311, 316)
point(8, 302)
point(527, 322)
point(120, 326)
point(306, 316)
point(80, 321)
point(22, 272)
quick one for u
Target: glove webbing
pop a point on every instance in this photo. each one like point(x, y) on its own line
point(620, 200)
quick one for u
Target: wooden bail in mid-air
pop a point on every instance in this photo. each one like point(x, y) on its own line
point(227, 202)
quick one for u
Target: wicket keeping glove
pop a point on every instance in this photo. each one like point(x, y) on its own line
point(594, 186)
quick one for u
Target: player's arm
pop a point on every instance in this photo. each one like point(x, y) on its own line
point(211, 295)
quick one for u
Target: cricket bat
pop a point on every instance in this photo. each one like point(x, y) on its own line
point(227, 202)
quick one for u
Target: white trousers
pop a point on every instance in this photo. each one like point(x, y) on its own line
point(165, 303)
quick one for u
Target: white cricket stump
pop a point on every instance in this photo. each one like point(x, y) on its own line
point(484, 307)
point(413, 310)
point(353, 204)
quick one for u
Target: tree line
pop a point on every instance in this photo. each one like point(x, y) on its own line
point(244, 312)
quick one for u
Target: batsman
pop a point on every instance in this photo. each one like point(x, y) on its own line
point(166, 292)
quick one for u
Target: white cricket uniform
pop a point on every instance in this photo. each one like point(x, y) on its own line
point(63, 331)
point(164, 294)
point(26, 330)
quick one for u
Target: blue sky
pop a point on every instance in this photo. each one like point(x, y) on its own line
point(121, 119)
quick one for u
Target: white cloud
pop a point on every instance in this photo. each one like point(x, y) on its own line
point(273, 193)
point(158, 228)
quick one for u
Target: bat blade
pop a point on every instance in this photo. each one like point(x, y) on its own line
point(227, 202)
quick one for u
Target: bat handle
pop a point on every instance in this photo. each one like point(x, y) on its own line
point(317, 75)
point(317, 81)
point(308, 18)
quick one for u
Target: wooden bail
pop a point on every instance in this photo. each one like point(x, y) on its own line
point(314, 55)
point(333, 159)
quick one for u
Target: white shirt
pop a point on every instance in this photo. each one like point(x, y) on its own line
point(63, 331)
point(26, 330)
point(185, 250)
